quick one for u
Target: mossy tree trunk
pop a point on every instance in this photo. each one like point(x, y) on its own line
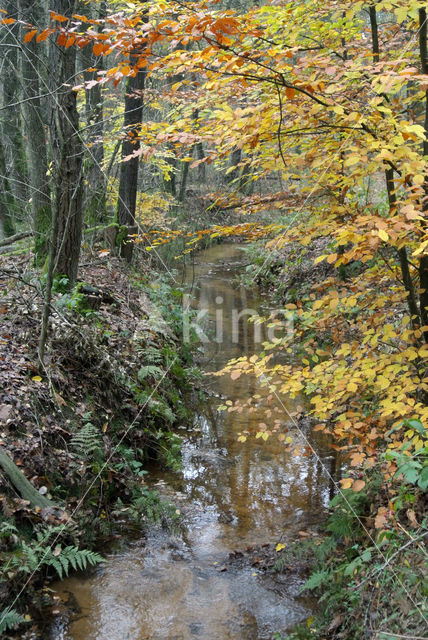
point(21, 484)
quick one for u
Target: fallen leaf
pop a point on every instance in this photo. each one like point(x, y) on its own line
point(358, 485)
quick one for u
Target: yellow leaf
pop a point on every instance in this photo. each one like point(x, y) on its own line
point(383, 235)
point(421, 248)
point(37, 379)
point(319, 259)
point(346, 483)
point(280, 546)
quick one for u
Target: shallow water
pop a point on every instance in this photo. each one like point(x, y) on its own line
point(233, 495)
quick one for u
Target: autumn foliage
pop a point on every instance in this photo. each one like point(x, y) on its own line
point(332, 99)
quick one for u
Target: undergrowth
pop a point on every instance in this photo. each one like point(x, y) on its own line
point(118, 385)
point(370, 582)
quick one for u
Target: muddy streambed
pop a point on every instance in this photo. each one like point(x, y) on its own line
point(233, 495)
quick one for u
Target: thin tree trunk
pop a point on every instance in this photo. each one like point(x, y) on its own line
point(95, 191)
point(7, 201)
point(392, 199)
point(423, 264)
point(235, 159)
point(128, 181)
point(202, 169)
point(11, 126)
point(34, 126)
point(183, 183)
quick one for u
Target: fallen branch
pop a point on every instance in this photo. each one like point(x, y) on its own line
point(18, 236)
point(20, 482)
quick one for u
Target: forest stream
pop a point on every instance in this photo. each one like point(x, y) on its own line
point(233, 496)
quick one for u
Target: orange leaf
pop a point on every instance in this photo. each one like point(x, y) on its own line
point(290, 93)
point(57, 16)
point(7, 21)
point(70, 41)
point(98, 48)
point(44, 34)
point(30, 35)
point(346, 483)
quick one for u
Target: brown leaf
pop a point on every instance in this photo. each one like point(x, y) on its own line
point(358, 485)
point(412, 517)
point(381, 518)
point(5, 411)
point(336, 622)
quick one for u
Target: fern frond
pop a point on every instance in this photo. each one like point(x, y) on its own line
point(317, 579)
point(9, 619)
point(87, 443)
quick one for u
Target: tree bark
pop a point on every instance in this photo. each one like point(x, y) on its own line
point(94, 202)
point(68, 162)
point(34, 126)
point(11, 125)
point(128, 181)
point(7, 201)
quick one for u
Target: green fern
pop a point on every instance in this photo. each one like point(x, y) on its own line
point(87, 443)
point(72, 557)
point(317, 579)
point(150, 371)
point(38, 554)
point(150, 355)
point(9, 619)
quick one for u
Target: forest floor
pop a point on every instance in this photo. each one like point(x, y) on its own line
point(81, 426)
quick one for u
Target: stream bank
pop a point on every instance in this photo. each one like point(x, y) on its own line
point(84, 427)
point(240, 501)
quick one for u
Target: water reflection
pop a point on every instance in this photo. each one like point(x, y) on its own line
point(235, 495)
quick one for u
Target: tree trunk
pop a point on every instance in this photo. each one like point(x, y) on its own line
point(128, 181)
point(11, 125)
point(423, 264)
point(392, 199)
point(7, 201)
point(34, 126)
point(94, 202)
point(68, 161)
